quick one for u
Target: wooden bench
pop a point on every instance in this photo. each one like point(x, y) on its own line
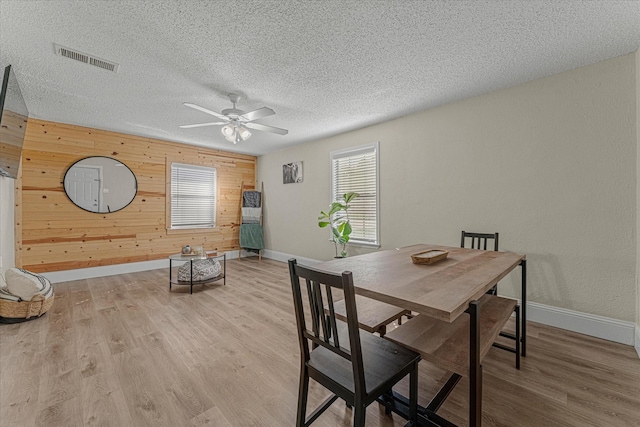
point(373, 316)
point(446, 345)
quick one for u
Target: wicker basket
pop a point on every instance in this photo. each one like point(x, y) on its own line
point(429, 257)
point(16, 311)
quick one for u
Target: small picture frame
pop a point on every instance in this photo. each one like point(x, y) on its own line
point(292, 173)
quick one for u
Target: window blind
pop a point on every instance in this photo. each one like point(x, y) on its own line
point(357, 170)
point(193, 196)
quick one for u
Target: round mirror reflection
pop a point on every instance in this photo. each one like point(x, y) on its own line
point(100, 184)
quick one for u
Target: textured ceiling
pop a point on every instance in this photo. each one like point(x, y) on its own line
point(325, 67)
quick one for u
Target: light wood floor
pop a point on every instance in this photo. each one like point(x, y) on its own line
point(124, 351)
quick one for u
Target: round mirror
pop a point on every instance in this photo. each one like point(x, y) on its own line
point(100, 184)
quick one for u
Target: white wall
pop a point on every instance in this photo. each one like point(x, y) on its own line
point(7, 240)
point(550, 164)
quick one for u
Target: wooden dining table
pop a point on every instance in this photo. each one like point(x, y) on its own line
point(443, 290)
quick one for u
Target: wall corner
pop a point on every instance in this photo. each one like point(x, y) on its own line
point(637, 105)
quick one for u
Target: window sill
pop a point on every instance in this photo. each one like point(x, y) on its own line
point(190, 230)
point(364, 244)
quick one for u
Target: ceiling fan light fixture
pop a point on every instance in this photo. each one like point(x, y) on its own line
point(228, 131)
point(234, 133)
point(244, 133)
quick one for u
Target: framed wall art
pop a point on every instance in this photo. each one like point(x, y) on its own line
point(292, 173)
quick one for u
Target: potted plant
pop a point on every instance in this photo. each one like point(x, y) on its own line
point(338, 219)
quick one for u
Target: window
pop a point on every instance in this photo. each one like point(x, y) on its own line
point(356, 169)
point(193, 196)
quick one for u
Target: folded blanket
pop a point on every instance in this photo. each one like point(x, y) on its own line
point(5, 294)
point(26, 284)
point(251, 236)
point(251, 215)
point(251, 199)
point(203, 269)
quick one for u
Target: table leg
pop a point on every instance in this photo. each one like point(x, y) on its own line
point(169, 274)
point(475, 369)
point(523, 330)
point(224, 269)
point(191, 277)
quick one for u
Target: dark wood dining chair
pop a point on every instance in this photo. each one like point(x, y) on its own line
point(480, 241)
point(354, 365)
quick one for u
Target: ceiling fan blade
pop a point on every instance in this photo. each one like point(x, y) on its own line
point(257, 114)
point(199, 125)
point(204, 110)
point(265, 128)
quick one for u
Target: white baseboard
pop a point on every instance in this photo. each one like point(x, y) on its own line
point(111, 270)
point(637, 344)
point(283, 257)
point(583, 323)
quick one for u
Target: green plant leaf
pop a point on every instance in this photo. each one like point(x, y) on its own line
point(323, 224)
point(348, 197)
point(335, 207)
point(336, 233)
point(346, 229)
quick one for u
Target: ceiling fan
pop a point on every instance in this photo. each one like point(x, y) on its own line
point(236, 122)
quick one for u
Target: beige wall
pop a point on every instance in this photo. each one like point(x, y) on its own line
point(550, 164)
point(638, 200)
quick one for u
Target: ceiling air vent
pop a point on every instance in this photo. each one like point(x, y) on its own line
point(86, 58)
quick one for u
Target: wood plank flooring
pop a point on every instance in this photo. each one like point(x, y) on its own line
point(124, 351)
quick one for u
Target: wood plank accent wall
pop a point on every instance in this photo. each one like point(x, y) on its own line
point(57, 235)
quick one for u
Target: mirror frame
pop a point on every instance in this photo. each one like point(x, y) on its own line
point(135, 184)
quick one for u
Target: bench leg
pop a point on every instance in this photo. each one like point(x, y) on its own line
point(382, 330)
point(517, 310)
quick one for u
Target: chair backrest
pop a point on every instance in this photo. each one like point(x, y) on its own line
point(324, 329)
point(479, 240)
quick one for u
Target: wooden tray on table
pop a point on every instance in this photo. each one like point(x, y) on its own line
point(429, 257)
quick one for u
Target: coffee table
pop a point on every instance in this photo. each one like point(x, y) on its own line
point(191, 258)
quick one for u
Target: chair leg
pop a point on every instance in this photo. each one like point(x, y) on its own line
point(413, 395)
point(389, 403)
point(360, 410)
point(302, 397)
